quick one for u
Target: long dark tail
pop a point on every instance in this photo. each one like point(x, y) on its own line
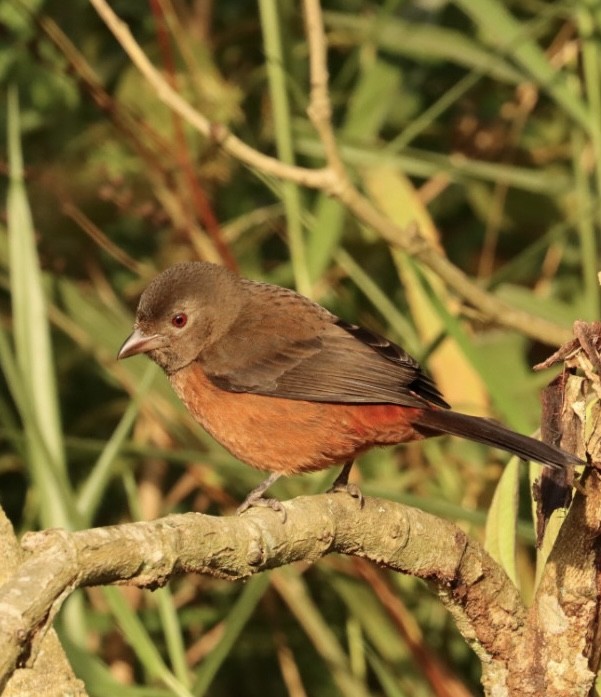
point(438, 421)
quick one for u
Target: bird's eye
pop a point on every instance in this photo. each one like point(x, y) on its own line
point(180, 320)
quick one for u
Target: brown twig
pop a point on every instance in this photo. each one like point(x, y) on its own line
point(202, 207)
point(318, 179)
point(320, 107)
point(95, 233)
point(332, 179)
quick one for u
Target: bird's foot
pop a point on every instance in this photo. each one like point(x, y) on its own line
point(348, 488)
point(261, 502)
point(256, 498)
point(342, 484)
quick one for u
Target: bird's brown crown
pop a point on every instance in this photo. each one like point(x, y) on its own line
point(190, 305)
point(199, 283)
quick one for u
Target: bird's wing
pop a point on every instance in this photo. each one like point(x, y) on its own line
point(289, 347)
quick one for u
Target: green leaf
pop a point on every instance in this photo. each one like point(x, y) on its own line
point(501, 522)
point(31, 377)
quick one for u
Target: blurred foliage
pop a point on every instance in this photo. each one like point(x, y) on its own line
point(478, 118)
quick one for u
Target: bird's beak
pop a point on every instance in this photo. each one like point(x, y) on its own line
point(137, 342)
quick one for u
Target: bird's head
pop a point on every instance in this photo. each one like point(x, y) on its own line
point(184, 310)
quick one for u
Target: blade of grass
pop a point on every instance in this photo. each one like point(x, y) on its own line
point(30, 442)
point(237, 619)
point(550, 307)
point(509, 35)
point(531, 256)
point(140, 641)
point(370, 104)
point(389, 682)
point(589, 308)
point(379, 300)
point(33, 349)
point(295, 594)
point(356, 647)
point(362, 604)
point(98, 678)
point(392, 628)
point(424, 41)
point(495, 382)
point(397, 197)
point(592, 84)
point(173, 635)
point(31, 374)
point(167, 613)
point(12, 376)
point(93, 489)
point(459, 168)
point(427, 117)
point(30, 321)
point(272, 38)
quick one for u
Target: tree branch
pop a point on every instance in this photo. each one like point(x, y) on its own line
point(404, 539)
point(51, 673)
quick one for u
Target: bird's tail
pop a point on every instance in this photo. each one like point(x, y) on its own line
point(438, 421)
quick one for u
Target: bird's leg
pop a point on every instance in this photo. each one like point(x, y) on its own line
point(256, 498)
point(341, 483)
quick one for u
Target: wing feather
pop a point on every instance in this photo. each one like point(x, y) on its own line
point(315, 357)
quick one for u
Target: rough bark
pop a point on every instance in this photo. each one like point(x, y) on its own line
point(41, 667)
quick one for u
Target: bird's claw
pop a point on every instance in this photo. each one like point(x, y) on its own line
point(262, 502)
point(347, 488)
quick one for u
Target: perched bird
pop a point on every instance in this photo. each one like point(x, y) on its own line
point(288, 387)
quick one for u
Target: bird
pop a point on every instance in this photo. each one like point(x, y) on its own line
point(288, 387)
